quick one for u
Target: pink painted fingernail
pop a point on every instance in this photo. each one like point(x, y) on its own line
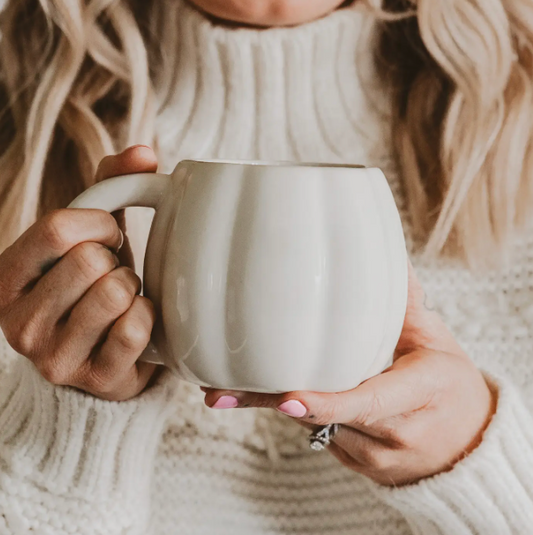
point(293, 408)
point(226, 402)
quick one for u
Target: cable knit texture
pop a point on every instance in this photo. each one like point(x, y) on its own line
point(164, 463)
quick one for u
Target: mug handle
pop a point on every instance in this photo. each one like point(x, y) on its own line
point(143, 189)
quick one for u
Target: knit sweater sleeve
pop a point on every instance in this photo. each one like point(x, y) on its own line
point(71, 463)
point(488, 492)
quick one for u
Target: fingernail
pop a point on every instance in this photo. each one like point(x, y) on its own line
point(293, 408)
point(121, 240)
point(138, 147)
point(116, 259)
point(226, 402)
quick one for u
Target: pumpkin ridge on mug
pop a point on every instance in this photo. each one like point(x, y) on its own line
point(269, 276)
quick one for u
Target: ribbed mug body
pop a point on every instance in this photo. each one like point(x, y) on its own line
point(274, 277)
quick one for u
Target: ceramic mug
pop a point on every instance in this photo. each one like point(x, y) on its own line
point(269, 276)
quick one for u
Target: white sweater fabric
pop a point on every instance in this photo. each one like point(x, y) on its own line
point(163, 463)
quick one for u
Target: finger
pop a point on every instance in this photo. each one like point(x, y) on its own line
point(364, 454)
point(359, 451)
point(65, 284)
point(136, 159)
point(345, 458)
point(403, 388)
point(114, 371)
point(32, 321)
point(36, 251)
point(365, 449)
point(351, 440)
point(384, 465)
point(386, 431)
point(92, 318)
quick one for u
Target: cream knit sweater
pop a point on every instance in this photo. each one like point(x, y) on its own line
point(165, 464)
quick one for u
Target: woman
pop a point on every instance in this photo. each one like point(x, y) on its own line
point(92, 441)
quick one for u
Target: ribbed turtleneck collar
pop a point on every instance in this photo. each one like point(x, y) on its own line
point(280, 93)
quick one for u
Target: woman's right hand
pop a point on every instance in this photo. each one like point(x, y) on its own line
point(68, 306)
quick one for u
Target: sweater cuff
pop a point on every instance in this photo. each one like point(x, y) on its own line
point(490, 491)
point(67, 442)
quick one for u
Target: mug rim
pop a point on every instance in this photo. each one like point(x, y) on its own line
point(274, 163)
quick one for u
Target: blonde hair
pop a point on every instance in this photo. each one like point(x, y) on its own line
point(79, 79)
point(461, 74)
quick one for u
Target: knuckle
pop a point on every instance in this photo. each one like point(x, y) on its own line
point(371, 409)
point(369, 456)
point(366, 456)
point(147, 306)
point(54, 372)
point(132, 335)
point(99, 382)
point(393, 432)
point(410, 434)
point(116, 295)
point(251, 11)
point(349, 462)
point(281, 11)
point(383, 460)
point(326, 415)
point(107, 221)
point(23, 336)
point(92, 259)
point(56, 230)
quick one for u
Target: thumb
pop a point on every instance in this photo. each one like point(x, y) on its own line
point(423, 327)
point(136, 159)
point(403, 388)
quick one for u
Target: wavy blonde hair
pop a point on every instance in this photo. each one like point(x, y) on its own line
point(79, 80)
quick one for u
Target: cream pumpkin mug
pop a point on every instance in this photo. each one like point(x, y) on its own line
point(267, 276)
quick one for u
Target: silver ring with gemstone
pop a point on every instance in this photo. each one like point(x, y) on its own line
point(323, 436)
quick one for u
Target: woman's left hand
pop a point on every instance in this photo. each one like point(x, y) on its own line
point(416, 419)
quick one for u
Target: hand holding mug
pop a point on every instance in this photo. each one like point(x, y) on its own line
point(68, 305)
point(416, 419)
